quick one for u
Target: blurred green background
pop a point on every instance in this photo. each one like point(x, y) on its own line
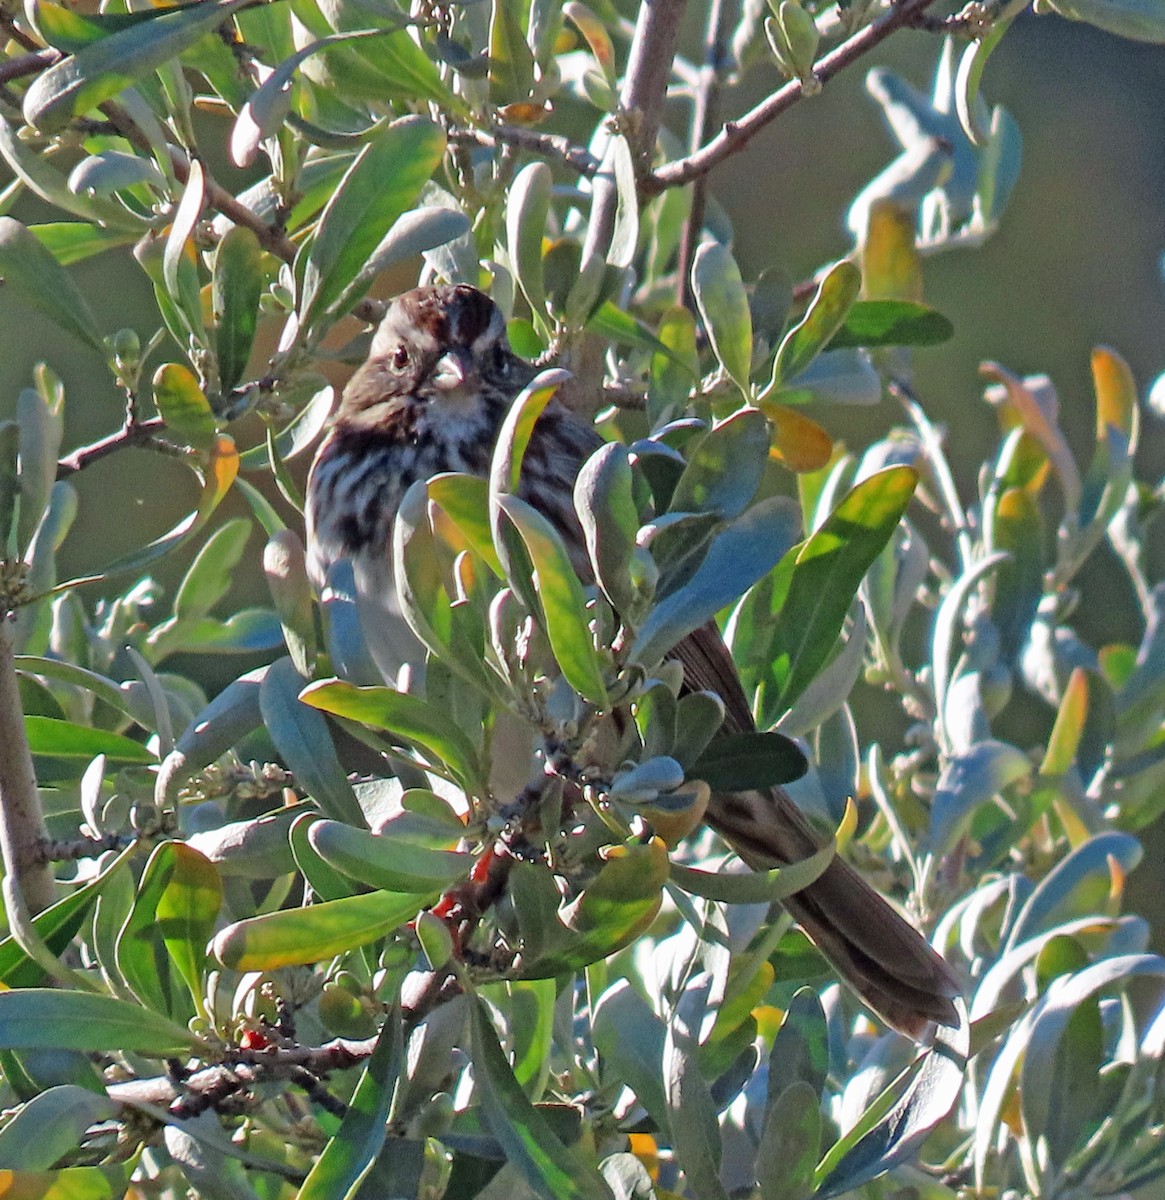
point(1076, 263)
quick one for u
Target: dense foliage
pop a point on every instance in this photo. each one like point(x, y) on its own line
point(279, 940)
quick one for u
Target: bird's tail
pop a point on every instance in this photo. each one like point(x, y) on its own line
point(872, 946)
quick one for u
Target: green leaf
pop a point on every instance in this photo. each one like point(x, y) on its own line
point(625, 235)
point(72, 31)
point(822, 320)
point(69, 1183)
point(53, 738)
point(529, 1144)
point(295, 936)
point(51, 1126)
point(9, 481)
point(755, 887)
point(385, 861)
point(285, 565)
point(740, 762)
point(35, 171)
point(73, 241)
point(465, 500)
point(723, 305)
point(42, 423)
point(606, 511)
point(183, 406)
point(404, 716)
point(511, 62)
point(630, 1038)
point(562, 599)
point(55, 926)
point(800, 1050)
point(452, 633)
point(102, 69)
point(209, 577)
point(873, 323)
point(353, 1148)
point(895, 1125)
point(143, 961)
point(383, 182)
point(236, 285)
point(725, 468)
point(1142, 20)
point(526, 213)
point(112, 171)
point(970, 779)
point(790, 1145)
point(302, 738)
point(50, 1019)
point(31, 270)
point(812, 590)
point(1079, 885)
point(740, 554)
point(186, 913)
point(611, 911)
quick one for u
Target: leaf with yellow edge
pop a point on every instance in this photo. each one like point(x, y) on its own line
point(613, 910)
point(597, 37)
point(183, 406)
point(69, 1183)
point(186, 912)
point(848, 826)
point(1116, 395)
point(798, 441)
point(889, 259)
point(296, 936)
point(465, 501)
point(826, 314)
point(1069, 726)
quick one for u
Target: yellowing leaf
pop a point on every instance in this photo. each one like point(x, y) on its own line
point(798, 441)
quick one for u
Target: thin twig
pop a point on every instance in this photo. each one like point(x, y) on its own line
point(28, 64)
point(641, 100)
point(9, 25)
point(705, 115)
point(553, 146)
point(144, 433)
point(217, 197)
point(735, 135)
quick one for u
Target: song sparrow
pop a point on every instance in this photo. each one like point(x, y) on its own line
point(431, 397)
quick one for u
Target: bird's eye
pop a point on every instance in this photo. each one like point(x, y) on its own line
point(400, 358)
point(501, 362)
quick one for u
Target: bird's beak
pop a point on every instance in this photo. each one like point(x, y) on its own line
point(452, 370)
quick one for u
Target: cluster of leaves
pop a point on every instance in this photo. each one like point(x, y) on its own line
point(559, 989)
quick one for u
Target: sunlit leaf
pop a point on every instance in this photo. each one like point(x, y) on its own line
point(384, 180)
point(183, 405)
point(723, 304)
point(50, 1019)
point(825, 316)
point(562, 600)
point(236, 284)
point(307, 935)
point(54, 738)
point(105, 67)
point(353, 1148)
point(403, 715)
point(385, 861)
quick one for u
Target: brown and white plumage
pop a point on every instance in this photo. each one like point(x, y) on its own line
point(432, 397)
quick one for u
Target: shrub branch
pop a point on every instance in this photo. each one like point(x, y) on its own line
point(735, 135)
